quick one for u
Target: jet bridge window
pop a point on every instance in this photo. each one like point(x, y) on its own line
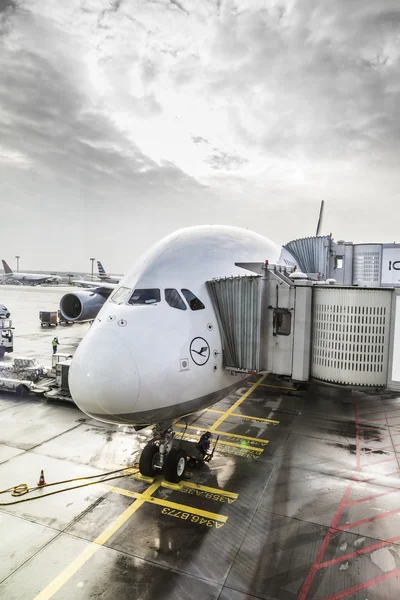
point(282, 321)
point(120, 295)
point(338, 262)
point(173, 298)
point(192, 300)
point(150, 296)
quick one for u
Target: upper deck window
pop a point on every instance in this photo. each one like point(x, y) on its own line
point(174, 299)
point(192, 300)
point(150, 296)
point(120, 295)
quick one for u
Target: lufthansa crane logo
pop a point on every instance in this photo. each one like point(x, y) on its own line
point(199, 351)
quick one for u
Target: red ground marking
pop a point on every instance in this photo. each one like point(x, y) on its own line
point(380, 412)
point(379, 462)
point(315, 566)
point(365, 550)
point(367, 498)
point(369, 519)
point(379, 449)
point(383, 419)
point(380, 474)
point(362, 586)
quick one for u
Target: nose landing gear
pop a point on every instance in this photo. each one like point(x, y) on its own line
point(169, 456)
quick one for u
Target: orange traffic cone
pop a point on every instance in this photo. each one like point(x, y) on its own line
point(41, 479)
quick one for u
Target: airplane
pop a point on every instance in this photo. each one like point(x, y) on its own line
point(103, 276)
point(154, 353)
point(32, 278)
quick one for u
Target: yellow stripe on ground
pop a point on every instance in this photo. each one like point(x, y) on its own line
point(220, 412)
point(256, 418)
point(174, 505)
point(241, 446)
point(211, 490)
point(80, 560)
point(234, 435)
point(234, 406)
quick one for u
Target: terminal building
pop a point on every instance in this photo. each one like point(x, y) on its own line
point(366, 265)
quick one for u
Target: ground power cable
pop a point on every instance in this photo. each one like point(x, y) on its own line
point(22, 488)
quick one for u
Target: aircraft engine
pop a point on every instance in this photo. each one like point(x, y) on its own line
point(81, 306)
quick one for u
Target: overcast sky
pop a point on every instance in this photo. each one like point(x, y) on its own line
point(123, 120)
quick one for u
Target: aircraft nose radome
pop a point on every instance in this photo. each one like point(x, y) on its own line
point(103, 377)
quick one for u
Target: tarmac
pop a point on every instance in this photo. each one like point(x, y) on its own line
point(300, 501)
point(30, 339)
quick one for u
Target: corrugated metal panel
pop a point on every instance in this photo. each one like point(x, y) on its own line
point(236, 301)
point(351, 335)
point(310, 253)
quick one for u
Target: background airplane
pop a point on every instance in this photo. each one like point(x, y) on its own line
point(154, 351)
point(33, 278)
point(105, 276)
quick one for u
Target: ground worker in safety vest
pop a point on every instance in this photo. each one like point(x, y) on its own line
point(55, 343)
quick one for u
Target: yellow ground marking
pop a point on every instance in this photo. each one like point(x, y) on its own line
point(279, 387)
point(233, 435)
point(256, 418)
point(101, 539)
point(139, 477)
point(167, 504)
point(210, 490)
point(171, 486)
point(189, 437)
point(234, 406)
point(220, 412)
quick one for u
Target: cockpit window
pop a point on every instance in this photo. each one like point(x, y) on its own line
point(120, 295)
point(192, 300)
point(174, 299)
point(150, 296)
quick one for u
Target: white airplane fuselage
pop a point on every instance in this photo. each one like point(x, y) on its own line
point(147, 363)
point(32, 277)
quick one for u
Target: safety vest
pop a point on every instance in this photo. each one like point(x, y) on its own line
point(54, 343)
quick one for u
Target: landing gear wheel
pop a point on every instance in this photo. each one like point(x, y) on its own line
point(192, 462)
point(146, 460)
point(175, 465)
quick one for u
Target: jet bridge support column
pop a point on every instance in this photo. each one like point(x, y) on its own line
point(302, 333)
point(286, 332)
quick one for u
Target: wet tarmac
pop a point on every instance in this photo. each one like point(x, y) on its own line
point(30, 339)
point(301, 500)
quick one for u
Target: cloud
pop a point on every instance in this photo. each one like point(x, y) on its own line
point(209, 107)
point(224, 160)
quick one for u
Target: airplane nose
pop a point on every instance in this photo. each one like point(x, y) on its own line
point(103, 377)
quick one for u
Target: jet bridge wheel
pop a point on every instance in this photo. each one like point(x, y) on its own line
point(146, 460)
point(175, 465)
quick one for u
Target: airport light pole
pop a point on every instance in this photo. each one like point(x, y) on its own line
point(17, 257)
point(92, 259)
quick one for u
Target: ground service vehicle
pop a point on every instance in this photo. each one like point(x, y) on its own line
point(7, 337)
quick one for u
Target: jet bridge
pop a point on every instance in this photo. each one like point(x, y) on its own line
point(278, 321)
point(264, 319)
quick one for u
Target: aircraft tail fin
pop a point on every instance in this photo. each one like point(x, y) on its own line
point(102, 272)
point(7, 269)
